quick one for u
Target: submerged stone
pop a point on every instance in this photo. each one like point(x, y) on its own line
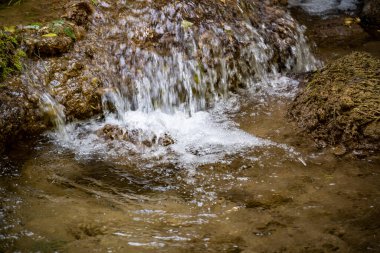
point(136, 136)
point(340, 104)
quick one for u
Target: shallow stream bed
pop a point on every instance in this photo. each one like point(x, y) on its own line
point(265, 200)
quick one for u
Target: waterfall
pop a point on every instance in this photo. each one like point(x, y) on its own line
point(168, 70)
point(191, 76)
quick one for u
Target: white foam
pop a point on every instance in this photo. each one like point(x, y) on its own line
point(278, 86)
point(205, 137)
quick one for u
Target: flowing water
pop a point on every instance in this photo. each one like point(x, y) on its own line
point(323, 7)
point(179, 163)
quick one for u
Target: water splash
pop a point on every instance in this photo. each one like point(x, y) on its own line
point(48, 105)
point(55, 111)
point(162, 79)
point(156, 63)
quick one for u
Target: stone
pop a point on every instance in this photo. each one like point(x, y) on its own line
point(339, 105)
point(370, 17)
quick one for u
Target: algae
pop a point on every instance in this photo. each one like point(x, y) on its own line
point(10, 55)
point(341, 103)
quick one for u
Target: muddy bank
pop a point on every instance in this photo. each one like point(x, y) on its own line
point(340, 105)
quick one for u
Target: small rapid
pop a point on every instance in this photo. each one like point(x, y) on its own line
point(168, 71)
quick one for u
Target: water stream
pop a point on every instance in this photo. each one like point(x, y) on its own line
point(192, 152)
point(325, 7)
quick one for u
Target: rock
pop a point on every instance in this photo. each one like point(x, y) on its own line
point(50, 39)
point(20, 114)
point(370, 17)
point(339, 150)
point(165, 140)
point(76, 87)
point(79, 12)
point(135, 136)
point(339, 106)
point(53, 46)
point(260, 199)
point(10, 55)
point(111, 132)
point(86, 229)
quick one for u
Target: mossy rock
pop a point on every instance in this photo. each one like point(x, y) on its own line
point(10, 55)
point(341, 104)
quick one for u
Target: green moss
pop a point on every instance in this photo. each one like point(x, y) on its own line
point(62, 27)
point(10, 55)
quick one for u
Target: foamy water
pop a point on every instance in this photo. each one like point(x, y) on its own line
point(204, 137)
point(183, 93)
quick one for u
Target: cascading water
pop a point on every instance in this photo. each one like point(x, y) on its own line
point(165, 66)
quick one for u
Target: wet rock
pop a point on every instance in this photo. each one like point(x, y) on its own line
point(76, 87)
point(85, 230)
point(370, 17)
point(111, 132)
point(50, 39)
point(20, 116)
point(339, 106)
point(79, 12)
point(48, 46)
point(339, 150)
point(165, 140)
point(207, 39)
point(64, 78)
point(135, 136)
point(262, 199)
point(216, 52)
